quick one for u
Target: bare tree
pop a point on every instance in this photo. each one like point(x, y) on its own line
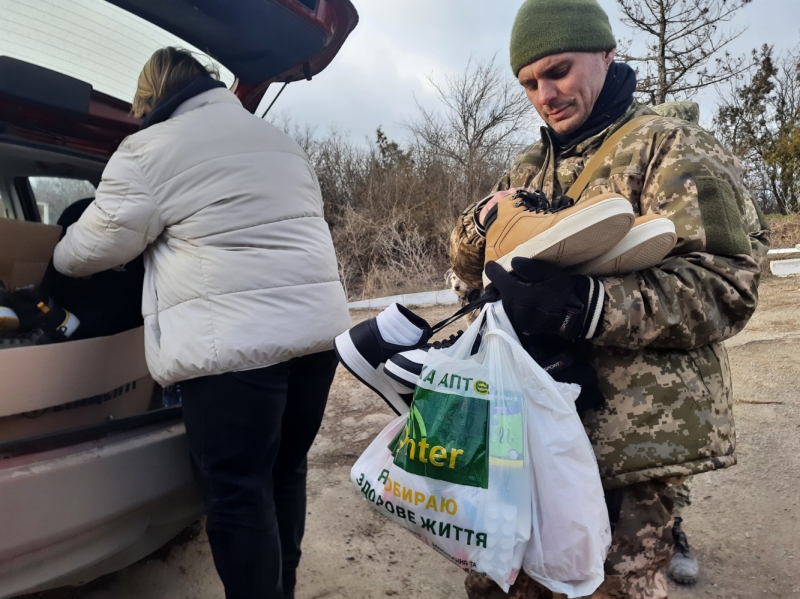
point(483, 120)
point(759, 119)
point(391, 205)
point(684, 46)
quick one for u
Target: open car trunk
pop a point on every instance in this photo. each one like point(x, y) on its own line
point(257, 42)
point(94, 470)
point(260, 42)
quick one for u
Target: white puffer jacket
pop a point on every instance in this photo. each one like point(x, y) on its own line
point(240, 266)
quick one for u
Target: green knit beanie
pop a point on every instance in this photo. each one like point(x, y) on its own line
point(545, 27)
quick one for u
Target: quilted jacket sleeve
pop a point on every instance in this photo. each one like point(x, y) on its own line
point(117, 226)
point(466, 249)
point(468, 242)
point(707, 290)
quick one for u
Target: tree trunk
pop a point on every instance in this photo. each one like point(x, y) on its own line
point(662, 56)
point(782, 208)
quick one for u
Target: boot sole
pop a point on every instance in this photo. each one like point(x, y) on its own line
point(643, 247)
point(355, 363)
point(682, 579)
point(578, 238)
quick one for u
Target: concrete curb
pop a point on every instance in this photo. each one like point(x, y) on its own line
point(447, 296)
point(426, 298)
point(785, 268)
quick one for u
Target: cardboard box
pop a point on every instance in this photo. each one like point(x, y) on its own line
point(128, 400)
point(48, 376)
point(25, 251)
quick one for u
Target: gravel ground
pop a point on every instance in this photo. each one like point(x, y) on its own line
point(743, 524)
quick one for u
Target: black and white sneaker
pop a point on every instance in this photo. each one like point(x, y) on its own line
point(404, 368)
point(363, 350)
point(41, 320)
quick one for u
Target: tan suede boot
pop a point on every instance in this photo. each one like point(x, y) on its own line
point(566, 237)
point(648, 242)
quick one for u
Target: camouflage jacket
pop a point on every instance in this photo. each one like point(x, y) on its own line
point(658, 352)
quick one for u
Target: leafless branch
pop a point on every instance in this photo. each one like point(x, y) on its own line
point(683, 42)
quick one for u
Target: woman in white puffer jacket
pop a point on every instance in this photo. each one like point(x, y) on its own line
point(242, 301)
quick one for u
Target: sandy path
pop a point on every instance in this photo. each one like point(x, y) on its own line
point(743, 524)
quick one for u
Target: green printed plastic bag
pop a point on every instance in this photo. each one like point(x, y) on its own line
point(455, 470)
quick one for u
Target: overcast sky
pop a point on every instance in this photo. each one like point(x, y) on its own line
point(383, 65)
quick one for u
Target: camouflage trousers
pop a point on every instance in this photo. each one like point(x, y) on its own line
point(682, 497)
point(640, 547)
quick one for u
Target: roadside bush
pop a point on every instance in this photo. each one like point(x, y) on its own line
point(785, 230)
point(390, 207)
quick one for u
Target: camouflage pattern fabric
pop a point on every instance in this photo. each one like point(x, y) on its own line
point(466, 249)
point(640, 547)
point(683, 498)
point(658, 351)
point(685, 111)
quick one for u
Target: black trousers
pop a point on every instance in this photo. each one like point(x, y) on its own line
point(249, 434)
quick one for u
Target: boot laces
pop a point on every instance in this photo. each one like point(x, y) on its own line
point(679, 539)
point(446, 342)
point(537, 202)
point(561, 202)
point(533, 201)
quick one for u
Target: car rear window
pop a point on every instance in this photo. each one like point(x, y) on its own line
point(54, 194)
point(91, 40)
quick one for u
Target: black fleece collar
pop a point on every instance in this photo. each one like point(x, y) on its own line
point(614, 99)
point(167, 105)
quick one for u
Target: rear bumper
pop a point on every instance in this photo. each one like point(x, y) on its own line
point(72, 514)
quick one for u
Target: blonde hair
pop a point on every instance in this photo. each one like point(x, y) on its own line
point(167, 71)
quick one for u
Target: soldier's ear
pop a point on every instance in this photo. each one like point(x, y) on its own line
point(608, 57)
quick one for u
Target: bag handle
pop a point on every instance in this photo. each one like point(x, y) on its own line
point(491, 295)
point(583, 180)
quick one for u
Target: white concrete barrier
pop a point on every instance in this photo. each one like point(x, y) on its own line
point(785, 268)
point(425, 298)
point(776, 252)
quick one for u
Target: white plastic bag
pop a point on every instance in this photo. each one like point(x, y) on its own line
point(455, 471)
point(512, 482)
point(571, 532)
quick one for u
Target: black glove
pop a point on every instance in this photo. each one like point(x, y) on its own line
point(543, 299)
point(563, 361)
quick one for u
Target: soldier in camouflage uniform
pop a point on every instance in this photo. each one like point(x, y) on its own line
point(683, 567)
point(658, 350)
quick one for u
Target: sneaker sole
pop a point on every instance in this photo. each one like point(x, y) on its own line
point(643, 247)
point(355, 363)
point(578, 238)
point(400, 374)
point(9, 321)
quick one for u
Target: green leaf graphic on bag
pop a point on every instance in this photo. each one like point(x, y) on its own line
point(417, 423)
point(445, 438)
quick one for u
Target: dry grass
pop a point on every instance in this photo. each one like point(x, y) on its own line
point(785, 230)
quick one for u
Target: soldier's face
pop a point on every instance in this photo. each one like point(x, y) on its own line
point(564, 87)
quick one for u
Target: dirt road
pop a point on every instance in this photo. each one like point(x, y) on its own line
point(744, 523)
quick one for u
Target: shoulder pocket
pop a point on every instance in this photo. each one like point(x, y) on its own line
point(722, 221)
